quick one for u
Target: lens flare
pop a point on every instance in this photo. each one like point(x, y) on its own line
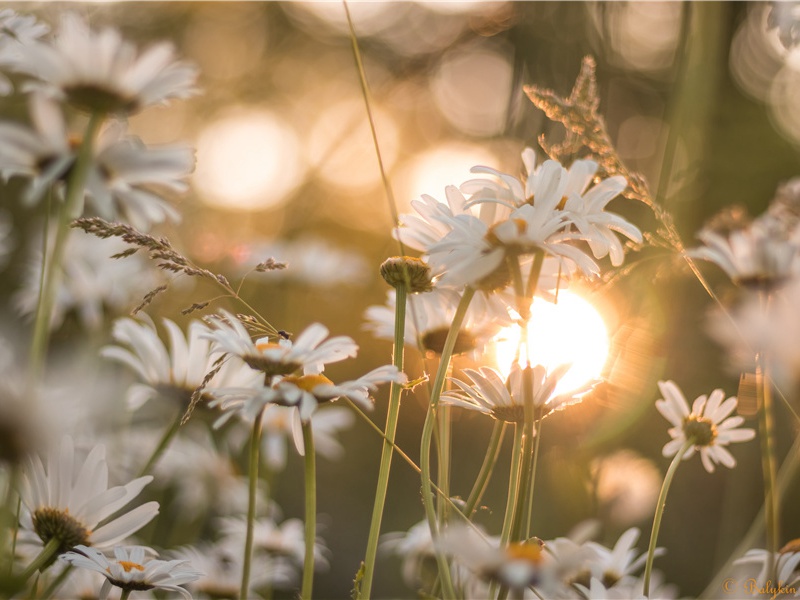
point(570, 331)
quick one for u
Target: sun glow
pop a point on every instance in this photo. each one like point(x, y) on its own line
point(571, 331)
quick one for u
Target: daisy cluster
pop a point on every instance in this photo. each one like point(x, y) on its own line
point(214, 411)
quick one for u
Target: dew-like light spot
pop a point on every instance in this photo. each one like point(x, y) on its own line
point(249, 159)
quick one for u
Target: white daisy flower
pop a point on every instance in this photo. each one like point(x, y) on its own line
point(15, 32)
point(203, 478)
point(222, 571)
point(304, 392)
point(518, 566)
point(707, 425)
point(429, 316)
point(759, 254)
point(69, 499)
point(92, 283)
point(42, 153)
point(473, 253)
point(504, 401)
point(175, 372)
point(612, 566)
point(278, 540)
point(126, 175)
point(785, 565)
point(99, 71)
point(416, 548)
point(554, 188)
point(132, 570)
point(309, 352)
point(434, 219)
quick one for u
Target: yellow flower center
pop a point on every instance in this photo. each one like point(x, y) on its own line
point(308, 382)
point(128, 566)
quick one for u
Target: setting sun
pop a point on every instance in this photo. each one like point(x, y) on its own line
point(571, 331)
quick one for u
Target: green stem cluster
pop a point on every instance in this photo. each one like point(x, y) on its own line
point(388, 444)
point(427, 436)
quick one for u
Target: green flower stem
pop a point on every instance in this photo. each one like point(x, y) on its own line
point(388, 444)
point(526, 468)
point(513, 484)
point(766, 434)
point(10, 519)
point(51, 265)
point(163, 444)
point(444, 422)
point(662, 502)
point(125, 593)
point(254, 460)
point(482, 481)
point(511, 502)
point(311, 511)
point(532, 483)
point(56, 583)
point(427, 435)
point(47, 553)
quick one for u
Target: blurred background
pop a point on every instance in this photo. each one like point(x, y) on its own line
point(286, 168)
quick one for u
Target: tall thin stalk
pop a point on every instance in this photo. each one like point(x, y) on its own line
point(51, 264)
point(427, 436)
point(662, 502)
point(310, 470)
point(252, 474)
point(485, 473)
point(766, 434)
point(388, 443)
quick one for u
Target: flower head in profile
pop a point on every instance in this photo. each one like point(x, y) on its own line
point(785, 564)
point(707, 427)
point(758, 254)
point(16, 31)
point(98, 71)
point(132, 570)
point(304, 392)
point(519, 565)
point(308, 353)
point(175, 371)
point(69, 499)
point(492, 395)
point(429, 316)
point(221, 570)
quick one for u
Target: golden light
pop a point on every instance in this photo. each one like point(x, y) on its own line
point(445, 164)
point(249, 159)
point(571, 331)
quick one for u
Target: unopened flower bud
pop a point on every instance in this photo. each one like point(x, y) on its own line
point(407, 271)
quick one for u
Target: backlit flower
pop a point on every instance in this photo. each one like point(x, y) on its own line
point(99, 71)
point(132, 570)
point(761, 253)
point(429, 316)
point(707, 426)
point(69, 499)
point(504, 401)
